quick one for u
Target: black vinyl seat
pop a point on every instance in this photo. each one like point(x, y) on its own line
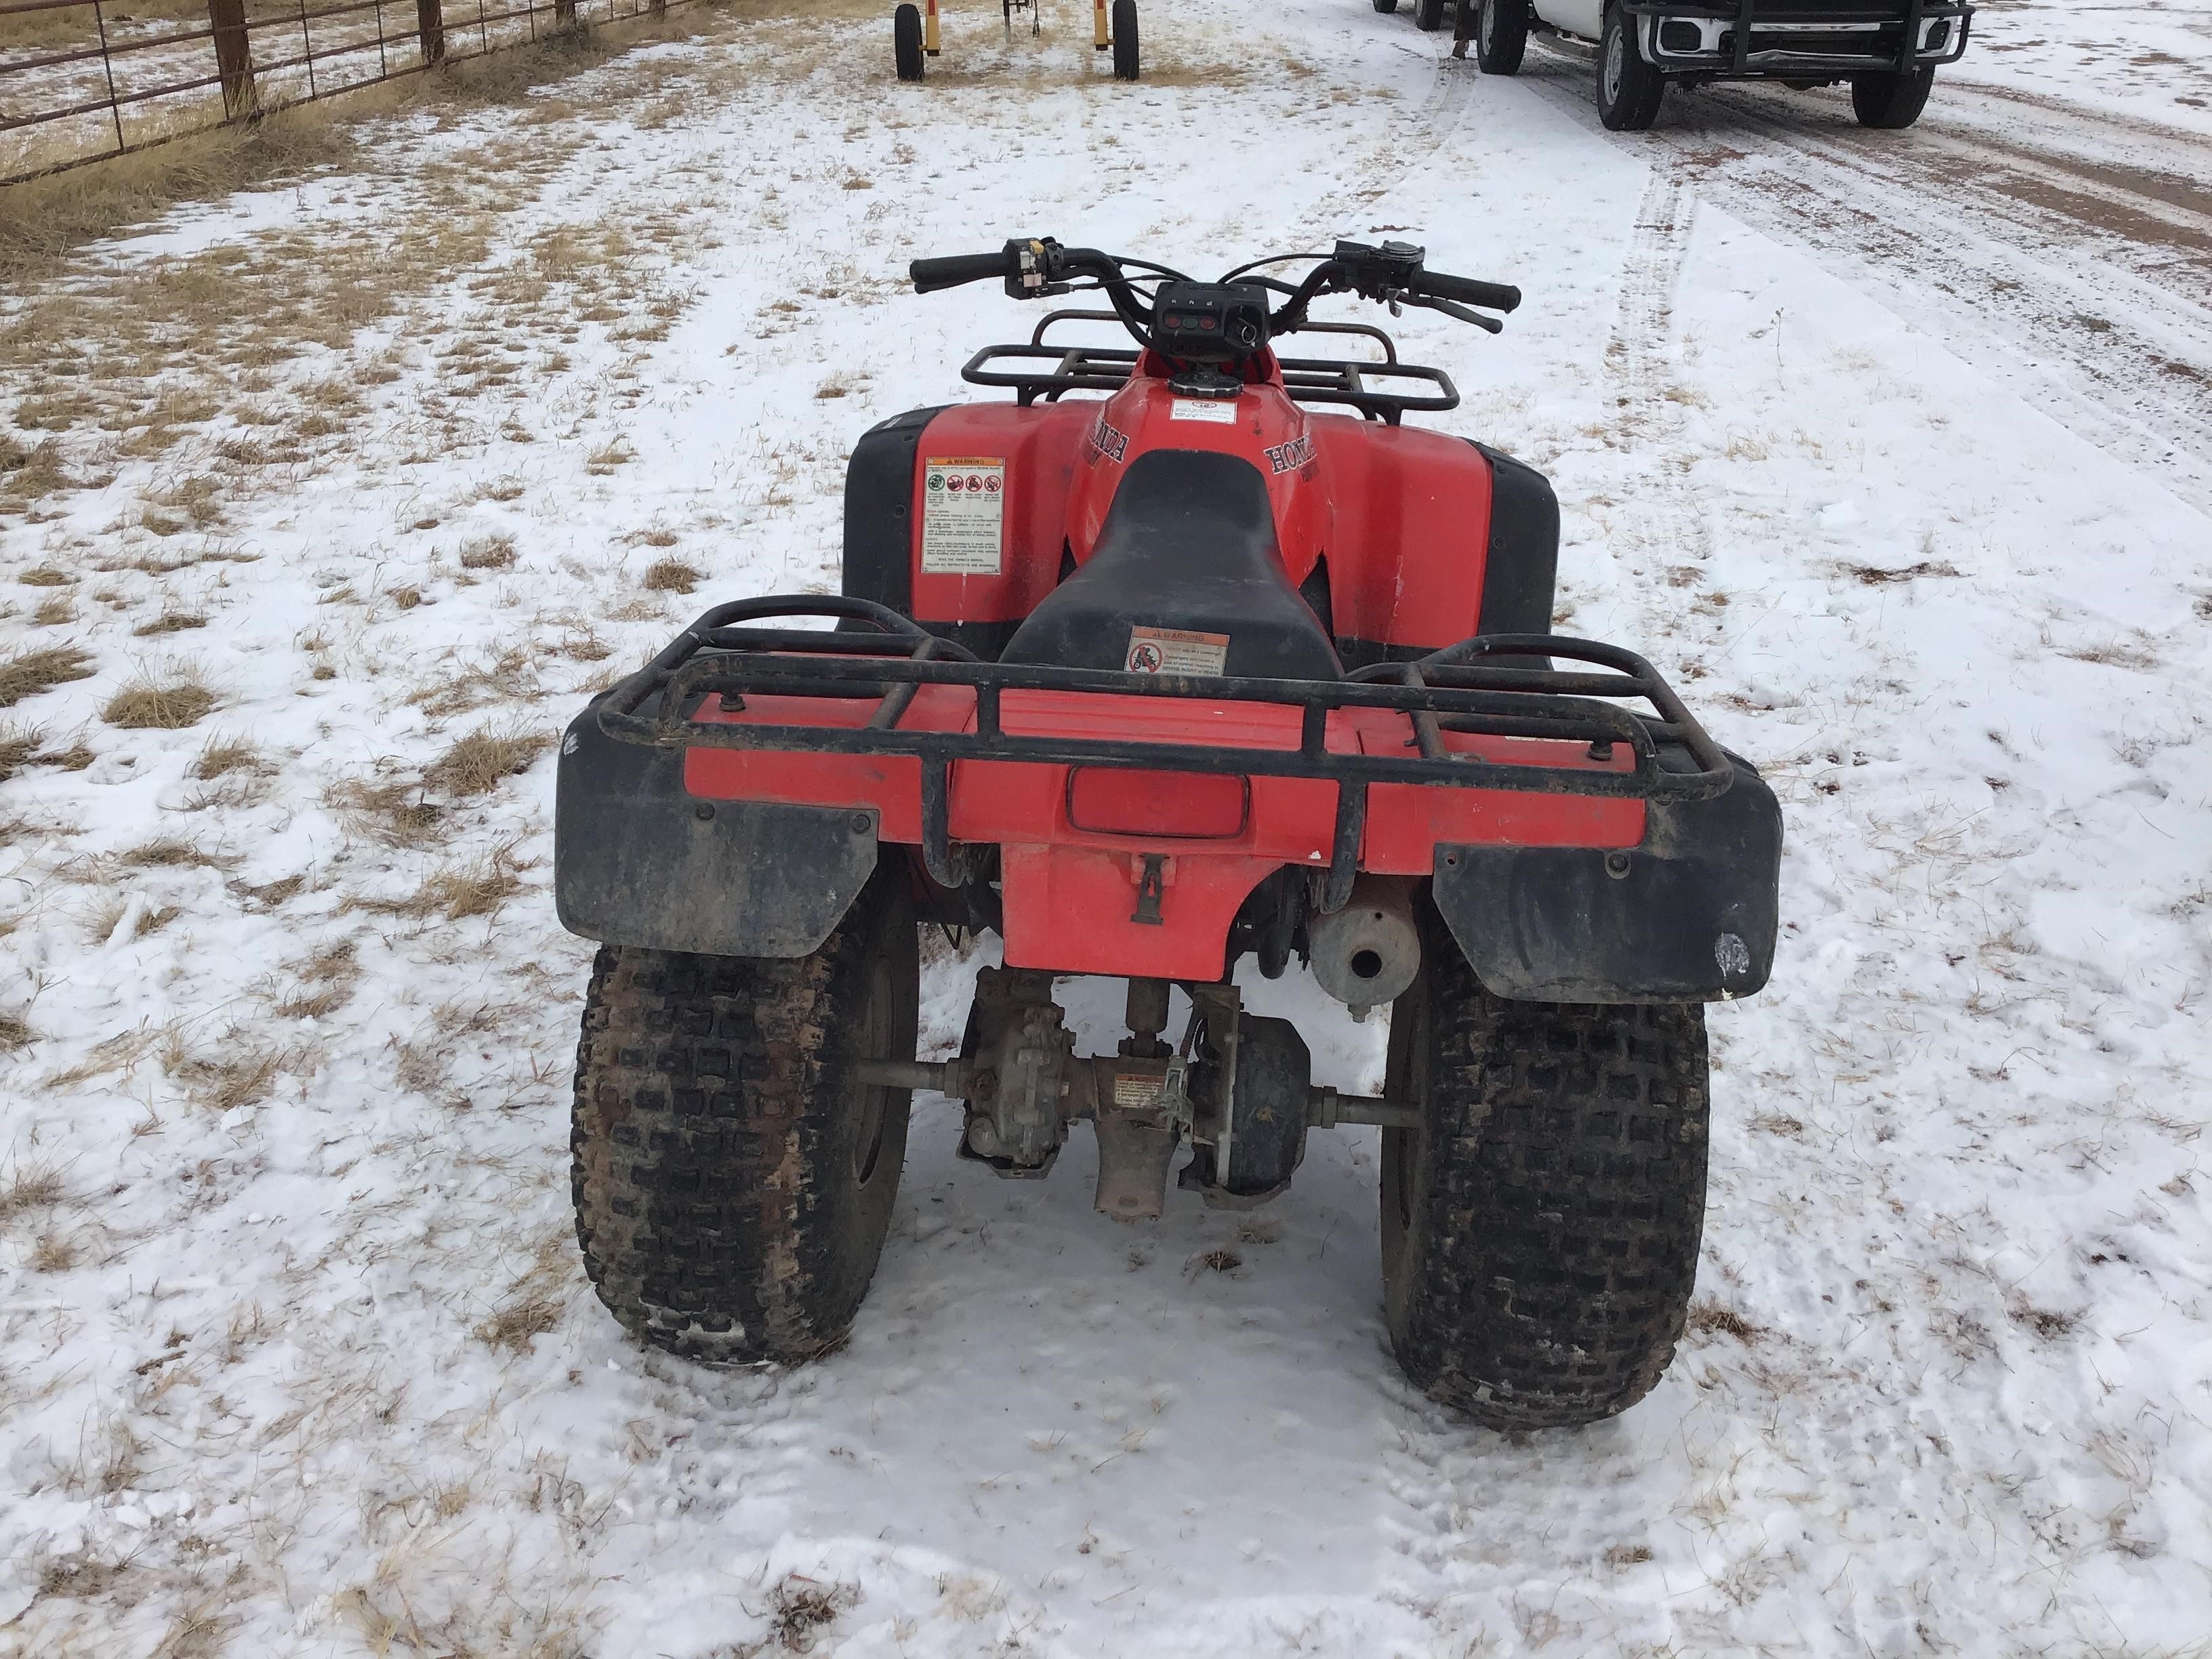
point(1189, 544)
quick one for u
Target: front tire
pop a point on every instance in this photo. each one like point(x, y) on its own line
point(1541, 1230)
point(1124, 21)
point(906, 42)
point(1428, 15)
point(1386, 6)
point(1628, 89)
point(732, 1183)
point(1892, 102)
point(1501, 35)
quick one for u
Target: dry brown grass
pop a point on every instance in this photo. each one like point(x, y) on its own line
point(170, 622)
point(477, 887)
point(45, 576)
point(18, 744)
point(488, 553)
point(323, 982)
point(164, 699)
point(393, 812)
point(478, 761)
point(15, 1033)
point(30, 673)
point(30, 1187)
point(221, 756)
point(671, 576)
point(240, 1074)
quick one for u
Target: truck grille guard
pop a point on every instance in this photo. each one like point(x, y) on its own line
point(723, 653)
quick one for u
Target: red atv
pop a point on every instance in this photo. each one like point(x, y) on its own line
point(1143, 683)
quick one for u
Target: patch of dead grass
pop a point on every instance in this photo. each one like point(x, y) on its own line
point(479, 762)
point(166, 698)
point(30, 673)
point(456, 891)
point(170, 622)
point(671, 576)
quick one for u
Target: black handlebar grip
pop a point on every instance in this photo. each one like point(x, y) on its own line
point(1491, 296)
point(953, 270)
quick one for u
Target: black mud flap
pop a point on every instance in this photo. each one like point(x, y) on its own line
point(1688, 916)
point(638, 861)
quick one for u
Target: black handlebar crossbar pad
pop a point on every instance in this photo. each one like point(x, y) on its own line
point(1494, 296)
point(954, 268)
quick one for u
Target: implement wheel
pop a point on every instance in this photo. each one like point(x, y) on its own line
point(732, 1181)
point(1125, 39)
point(1541, 1229)
point(906, 41)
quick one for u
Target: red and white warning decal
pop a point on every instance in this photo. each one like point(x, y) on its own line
point(963, 514)
point(1175, 651)
point(1219, 411)
point(1136, 1091)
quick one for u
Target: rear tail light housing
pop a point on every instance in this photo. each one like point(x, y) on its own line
point(1114, 801)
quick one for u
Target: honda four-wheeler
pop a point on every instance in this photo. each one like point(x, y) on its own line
point(914, 34)
point(1220, 661)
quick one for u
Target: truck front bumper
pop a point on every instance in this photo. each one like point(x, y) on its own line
point(1739, 40)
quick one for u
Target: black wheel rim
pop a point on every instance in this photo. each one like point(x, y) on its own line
point(874, 1104)
point(1615, 52)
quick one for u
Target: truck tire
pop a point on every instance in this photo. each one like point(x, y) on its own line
point(1891, 101)
point(1501, 35)
point(1386, 6)
point(1428, 15)
point(732, 1184)
point(1125, 39)
point(906, 42)
point(1541, 1230)
point(1628, 89)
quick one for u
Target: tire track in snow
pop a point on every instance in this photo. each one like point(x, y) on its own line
point(1394, 157)
point(2070, 262)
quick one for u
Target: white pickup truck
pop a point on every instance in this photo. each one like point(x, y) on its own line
point(1888, 49)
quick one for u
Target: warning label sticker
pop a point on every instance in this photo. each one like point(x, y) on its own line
point(1175, 651)
point(1220, 412)
point(1135, 1091)
point(964, 509)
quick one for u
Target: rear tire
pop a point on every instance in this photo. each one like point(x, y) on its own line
point(732, 1184)
point(1628, 89)
point(1892, 102)
point(1124, 22)
point(1386, 6)
point(1501, 35)
point(906, 42)
point(1428, 15)
point(1541, 1232)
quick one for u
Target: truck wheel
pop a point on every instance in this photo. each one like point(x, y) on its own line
point(732, 1184)
point(1428, 15)
point(1540, 1230)
point(1124, 22)
point(906, 41)
point(1628, 89)
point(1892, 101)
point(1386, 6)
point(1501, 35)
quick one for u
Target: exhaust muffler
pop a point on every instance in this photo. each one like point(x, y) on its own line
point(1368, 953)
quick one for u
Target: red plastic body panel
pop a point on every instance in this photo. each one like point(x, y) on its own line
point(1070, 894)
point(1402, 516)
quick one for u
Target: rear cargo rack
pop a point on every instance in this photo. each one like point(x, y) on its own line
point(1447, 690)
point(1372, 387)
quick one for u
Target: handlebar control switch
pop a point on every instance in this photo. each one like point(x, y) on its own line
point(1209, 322)
point(1382, 273)
point(1036, 266)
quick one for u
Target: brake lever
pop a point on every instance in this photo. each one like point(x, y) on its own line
point(1453, 308)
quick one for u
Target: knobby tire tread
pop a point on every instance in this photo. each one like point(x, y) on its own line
point(1552, 1258)
point(714, 1217)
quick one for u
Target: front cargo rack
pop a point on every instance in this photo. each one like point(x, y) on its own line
point(1381, 391)
point(724, 654)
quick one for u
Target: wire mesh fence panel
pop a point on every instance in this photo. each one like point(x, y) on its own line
point(84, 79)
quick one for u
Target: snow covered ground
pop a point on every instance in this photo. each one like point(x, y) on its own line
point(295, 1356)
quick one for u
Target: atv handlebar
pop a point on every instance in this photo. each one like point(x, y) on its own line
point(955, 269)
point(1391, 273)
point(1465, 290)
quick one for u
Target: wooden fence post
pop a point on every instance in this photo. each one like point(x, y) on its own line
point(234, 57)
point(431, 19)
